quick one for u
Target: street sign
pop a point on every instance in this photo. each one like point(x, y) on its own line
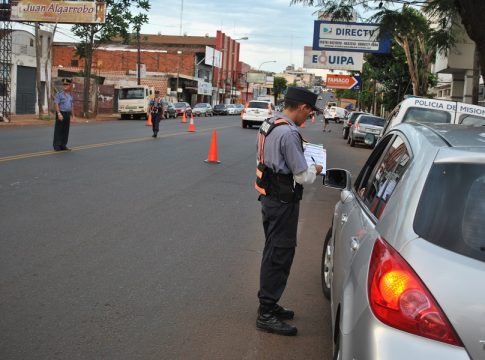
point(204, 88)
point(332, 60)
point(73, 12)
point(343, 82)
point(349, 36)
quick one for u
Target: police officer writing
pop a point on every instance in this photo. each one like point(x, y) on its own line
point(281, 172)
point(156, 109)
point(63, 104)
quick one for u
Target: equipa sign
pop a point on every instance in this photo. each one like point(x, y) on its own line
point(343, 82)
point(70, 12)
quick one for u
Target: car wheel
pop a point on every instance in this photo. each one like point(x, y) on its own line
point(352, 141)
point(327, 264)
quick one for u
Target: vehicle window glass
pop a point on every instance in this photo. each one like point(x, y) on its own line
point(131, 94)
point(472, 120)
point(179, 105)
point(258, 105)
point(385, 177)
point(427, 115)
point(451, 209)
point(370, 120)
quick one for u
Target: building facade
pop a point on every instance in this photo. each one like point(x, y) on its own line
point(174, 65)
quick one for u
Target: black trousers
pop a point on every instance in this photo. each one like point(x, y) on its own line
point(61, 130)
point(155, 122)
point(280, 223)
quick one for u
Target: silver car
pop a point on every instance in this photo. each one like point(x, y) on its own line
point(404, 260)
point(365, 129)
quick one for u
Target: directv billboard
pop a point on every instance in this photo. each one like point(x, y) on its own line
point(349, 36)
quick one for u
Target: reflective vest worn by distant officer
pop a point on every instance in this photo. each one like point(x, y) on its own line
point(281, 187)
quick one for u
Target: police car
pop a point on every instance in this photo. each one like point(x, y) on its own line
point(435, 111)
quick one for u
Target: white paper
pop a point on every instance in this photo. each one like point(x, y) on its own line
point(316, 154)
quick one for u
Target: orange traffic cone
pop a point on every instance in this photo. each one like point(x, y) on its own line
point(149, 121)
point(184, 118)
point(191, 125)
point(212, 157)
point(192, 116)
point(313, 119)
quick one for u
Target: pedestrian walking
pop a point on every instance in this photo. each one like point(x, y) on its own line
point(156, 110)
point(281, 172)
point(63, 104)
point(326, 118)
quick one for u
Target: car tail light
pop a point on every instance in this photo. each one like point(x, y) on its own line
point(398, 297)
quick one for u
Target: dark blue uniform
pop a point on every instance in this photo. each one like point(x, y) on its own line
point(61, 128)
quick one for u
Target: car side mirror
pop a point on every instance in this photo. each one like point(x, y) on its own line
point(337, 179)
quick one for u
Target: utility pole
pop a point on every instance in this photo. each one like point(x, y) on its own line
point(139, 56)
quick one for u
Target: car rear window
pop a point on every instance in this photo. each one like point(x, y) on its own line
point(370, 120)
point(220, 106)
point(472, 120)
point(258, 105)
point(451, 210)
point(427, 115)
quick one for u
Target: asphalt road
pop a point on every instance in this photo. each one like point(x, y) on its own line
point(130, 247)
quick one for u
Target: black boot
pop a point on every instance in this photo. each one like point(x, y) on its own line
point(281, 313)
point(270, 323)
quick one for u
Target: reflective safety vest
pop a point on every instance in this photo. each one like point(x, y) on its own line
point(281, 187)
point(156, 105)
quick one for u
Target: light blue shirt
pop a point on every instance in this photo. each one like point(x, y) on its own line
point(64, 100)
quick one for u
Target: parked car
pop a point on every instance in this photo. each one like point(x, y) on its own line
point(348, 121)
point(168, 110)
point(256, 112)
point(435, 111)
point(183, 108)
point(404, 257)
point(204, 109)
point(220, 109)
point(232, 109)
point(240, 108)
point(366, 129)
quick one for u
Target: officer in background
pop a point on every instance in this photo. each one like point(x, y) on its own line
point(63, 104)
point(156, 109)
point(281, 172)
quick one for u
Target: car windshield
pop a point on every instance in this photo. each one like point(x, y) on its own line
point(258, 105)
point(131, 93)
point(230, 106)
point(427, 115)
point(472, 120)
point(200, 106)
point(220, 106)
point(451, 210)
point(180, 105)
point(371, 120)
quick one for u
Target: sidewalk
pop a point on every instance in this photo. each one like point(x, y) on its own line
point(33, 120)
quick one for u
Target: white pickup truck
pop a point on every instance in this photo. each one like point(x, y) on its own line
point(133, 101)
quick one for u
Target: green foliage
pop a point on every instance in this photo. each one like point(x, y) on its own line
point(279, 86)
point(120, 16)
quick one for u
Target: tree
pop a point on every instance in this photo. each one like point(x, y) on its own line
point(469, 12)
point(279, 86)
point(119, 17)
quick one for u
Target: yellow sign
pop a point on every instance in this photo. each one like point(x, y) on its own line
point(71, 12)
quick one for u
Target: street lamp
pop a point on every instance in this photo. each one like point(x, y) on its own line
point(178, 75)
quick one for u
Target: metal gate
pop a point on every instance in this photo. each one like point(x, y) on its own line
point(25, 101)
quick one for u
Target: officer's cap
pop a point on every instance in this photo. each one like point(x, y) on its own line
point(66, 81)
point(302, 95)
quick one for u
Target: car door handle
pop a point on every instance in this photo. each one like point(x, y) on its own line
point(344, 218)
point(354, 243)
